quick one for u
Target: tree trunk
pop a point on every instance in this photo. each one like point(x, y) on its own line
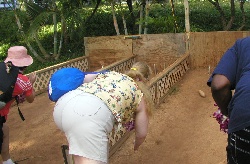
point(230, 23)
point(173, 14)
point(123, 19)
point(219, 9)
point(61, 39)
point(114, 18)
point(26, 41)
point(187, 24)
point(43, 51)
point(94, 11)
point(124, 25)
point(242, 2)
point(226, 26)
point(141, 19)
point(146, 17)
point(55, 31)
point(130, 7)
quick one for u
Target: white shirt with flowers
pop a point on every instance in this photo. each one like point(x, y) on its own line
point(119, 92)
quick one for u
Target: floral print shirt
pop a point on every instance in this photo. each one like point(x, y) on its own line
point(119, 92)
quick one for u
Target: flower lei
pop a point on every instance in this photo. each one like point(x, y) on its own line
point(129, 125)
point(21, 98)
point(221, 119)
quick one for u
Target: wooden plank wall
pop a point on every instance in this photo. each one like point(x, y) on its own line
point(105, 50)
point(159, 50)
point(206, 48)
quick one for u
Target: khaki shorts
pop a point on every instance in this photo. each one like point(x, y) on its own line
point(86, 122)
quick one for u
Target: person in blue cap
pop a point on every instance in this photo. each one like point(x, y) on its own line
point(104, 101)
point(233, 73)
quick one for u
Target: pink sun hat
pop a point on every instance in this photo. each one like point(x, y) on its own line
point(18, 56)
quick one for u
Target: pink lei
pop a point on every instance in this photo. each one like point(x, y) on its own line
point(21, 98)
point(129, 125)
point(221, 119)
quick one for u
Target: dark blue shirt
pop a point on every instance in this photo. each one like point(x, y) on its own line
point(235, 65)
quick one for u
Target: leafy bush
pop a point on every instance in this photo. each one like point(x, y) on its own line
point(203, 17)
point(9, 31)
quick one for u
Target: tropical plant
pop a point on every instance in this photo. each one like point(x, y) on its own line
point(41, 16)
point(228, 25)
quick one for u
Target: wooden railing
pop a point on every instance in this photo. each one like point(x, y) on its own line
point(120, 66)
point(159, 86)
point(43, 75)
point(162, 82)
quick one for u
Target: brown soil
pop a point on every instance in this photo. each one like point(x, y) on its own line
point(181, 131)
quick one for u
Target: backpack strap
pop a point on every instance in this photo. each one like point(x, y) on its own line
point(17, 103)
point(9, 73)
point(19, 111)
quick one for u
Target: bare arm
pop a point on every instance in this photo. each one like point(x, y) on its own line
point(89, 77)
point(141, 124)
point(221, 92)
point(31, 97)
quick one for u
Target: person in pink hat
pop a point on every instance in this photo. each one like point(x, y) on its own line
point(24, 86)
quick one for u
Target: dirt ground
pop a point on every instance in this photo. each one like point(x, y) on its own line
point(181, 131)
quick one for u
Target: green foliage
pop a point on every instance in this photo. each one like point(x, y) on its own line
point(101, 24)
point(161, 20)
point(8, 27)
point(3, 50)
point(203, 17)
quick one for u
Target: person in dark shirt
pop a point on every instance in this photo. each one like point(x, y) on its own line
point(233, 73)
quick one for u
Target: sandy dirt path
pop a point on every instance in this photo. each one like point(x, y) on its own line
point(181, 131)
